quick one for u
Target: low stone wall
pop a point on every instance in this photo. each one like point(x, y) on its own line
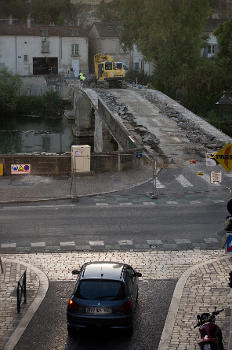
point(40, 164)
point(60, 165)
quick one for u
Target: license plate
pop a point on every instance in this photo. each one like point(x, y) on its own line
point(98, 310)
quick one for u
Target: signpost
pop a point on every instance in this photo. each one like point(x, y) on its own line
point(224, 157)
point(210, 160)
point(216, 177)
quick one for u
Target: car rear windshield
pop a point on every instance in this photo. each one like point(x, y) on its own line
point(100, 289)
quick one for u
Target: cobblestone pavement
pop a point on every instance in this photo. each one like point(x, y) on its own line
point(202, 284)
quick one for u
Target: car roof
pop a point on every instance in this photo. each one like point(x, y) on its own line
point(104, 270)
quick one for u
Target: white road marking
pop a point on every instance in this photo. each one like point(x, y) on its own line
point(67, 244)
point(38, 244)
point(102, 204)
point(218, 201)
point(172, 202)
point(125, 242)
point(125, 204)
point(149, 203)
point(154, 242)
point(195, 202)
point(183, 181)
point(96, 243)
point(8, 245)
point(158, 184)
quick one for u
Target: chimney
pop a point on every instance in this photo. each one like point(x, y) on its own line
point(29, 21)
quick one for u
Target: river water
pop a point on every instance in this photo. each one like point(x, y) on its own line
point(19, 134)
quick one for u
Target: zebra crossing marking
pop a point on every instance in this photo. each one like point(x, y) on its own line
point(171, 202)
point(102, 204)
point(183, 181)
point(126, 204)
point(195, 202)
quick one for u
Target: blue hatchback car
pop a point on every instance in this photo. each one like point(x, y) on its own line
point(105, 295)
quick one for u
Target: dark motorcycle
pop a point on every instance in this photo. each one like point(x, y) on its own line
point(211, 334)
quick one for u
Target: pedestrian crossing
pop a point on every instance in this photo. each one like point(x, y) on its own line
point(192, 181)
point(173, 244)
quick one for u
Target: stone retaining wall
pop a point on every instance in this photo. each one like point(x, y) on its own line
point(60, 165)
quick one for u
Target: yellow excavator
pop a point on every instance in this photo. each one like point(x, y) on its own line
point(109, 73)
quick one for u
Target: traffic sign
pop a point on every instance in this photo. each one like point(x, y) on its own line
point(210, 160)
point(216, 177)
point(229, 244)
point(224, 157)
point(139, 154)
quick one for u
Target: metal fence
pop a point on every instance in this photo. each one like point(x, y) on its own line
point(21, 291)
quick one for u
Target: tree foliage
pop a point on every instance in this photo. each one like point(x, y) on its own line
point(168, 32)
point(9, 89)
point(224, 55)
point(43, 12)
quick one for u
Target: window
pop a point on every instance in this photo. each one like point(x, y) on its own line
point(45, 46)
point(123, 49)
point(136, 66)
point(44, 32)
point(212, 49)
point(75, 50)
point(100, 289)
point(25, 58)
point(108, 66)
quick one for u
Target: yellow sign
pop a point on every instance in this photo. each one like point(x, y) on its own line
point(1, 169)
point(224, 157)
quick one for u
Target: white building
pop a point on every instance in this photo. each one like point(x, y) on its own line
point(38, 49)
point(138, 62)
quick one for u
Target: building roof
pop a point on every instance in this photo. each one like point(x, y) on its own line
point(107, 29)
point(212, 24)
point(36, 30)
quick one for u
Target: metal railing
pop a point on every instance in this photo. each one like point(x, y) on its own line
point(21, 291)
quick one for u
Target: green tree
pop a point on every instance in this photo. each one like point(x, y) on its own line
point(16, 8)
point(48, 11)
point(9, 90)
point(170, 33)
point(53, 104)
point(224, 55)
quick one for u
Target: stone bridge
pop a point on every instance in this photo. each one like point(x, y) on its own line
point(131, 120)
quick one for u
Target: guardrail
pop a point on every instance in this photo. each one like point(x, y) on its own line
point(21, 291)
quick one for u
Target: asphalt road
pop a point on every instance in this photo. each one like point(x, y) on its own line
point(53, 224)
point(47, 330)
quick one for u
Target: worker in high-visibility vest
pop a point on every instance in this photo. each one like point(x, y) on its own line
point(82, 77)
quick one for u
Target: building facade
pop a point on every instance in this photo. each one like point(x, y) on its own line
point(104, 38)
point(39, 50)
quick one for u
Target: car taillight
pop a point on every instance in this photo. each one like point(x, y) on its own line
point(72, 305)
point(127, 306)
